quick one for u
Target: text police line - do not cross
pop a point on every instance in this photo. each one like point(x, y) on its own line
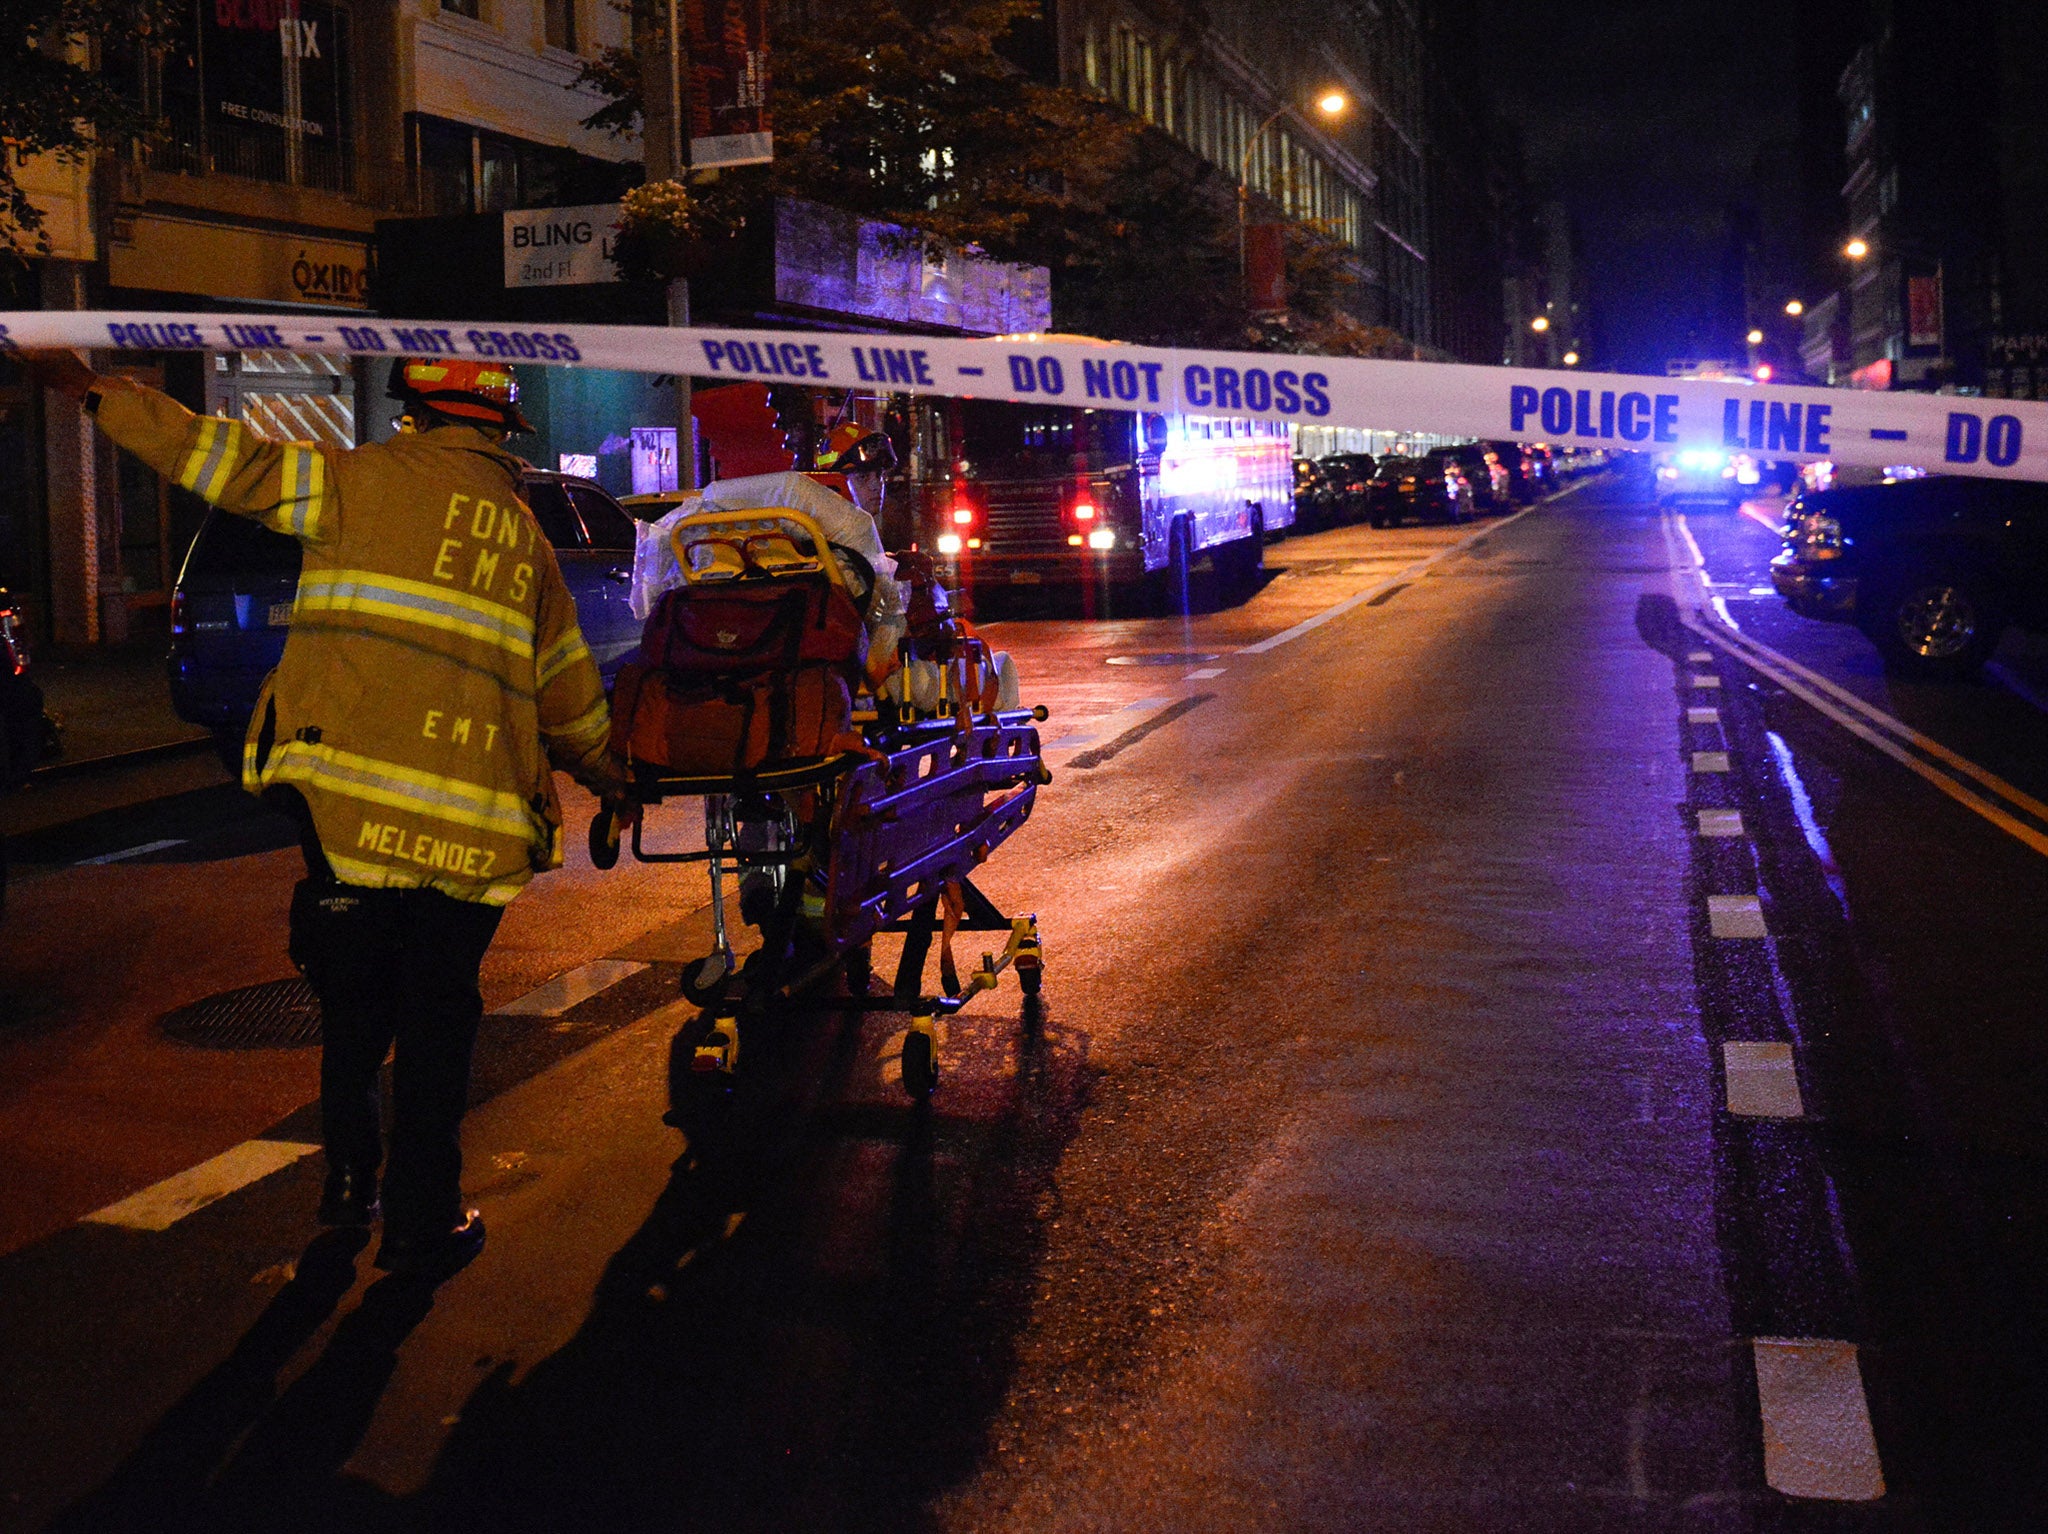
point(2002, 438)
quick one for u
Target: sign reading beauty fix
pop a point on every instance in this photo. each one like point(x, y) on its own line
point(2006, 439)
point(554, 247)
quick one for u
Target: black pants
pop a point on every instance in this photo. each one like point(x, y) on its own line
point(396, 966)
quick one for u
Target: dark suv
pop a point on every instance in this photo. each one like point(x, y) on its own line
point(232, 606)
point(1932, 570)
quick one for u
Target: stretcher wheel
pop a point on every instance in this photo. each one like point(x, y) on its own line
point(1030, 977)
point(704, 979)
point(604, 840)
point(920, 1064)
point(860, 969)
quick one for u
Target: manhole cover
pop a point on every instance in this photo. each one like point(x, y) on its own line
point(279, 1014)
point(1163, 658)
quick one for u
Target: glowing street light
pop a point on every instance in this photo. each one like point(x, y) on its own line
point(1540, 324)
point(1755, 338)
point(1331, 103)
point(1571, 359)
point(1856, 249)
point(1794, 307)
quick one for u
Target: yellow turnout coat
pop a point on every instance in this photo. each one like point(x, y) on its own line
point(434, 665)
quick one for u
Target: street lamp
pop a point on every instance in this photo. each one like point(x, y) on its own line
point(1331, 103)
point(1571, 359)
point(1755, 338)
point(1540, 324)
point(1856, 249)
point(1794, 307)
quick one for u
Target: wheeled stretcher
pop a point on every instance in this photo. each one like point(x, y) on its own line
point(832, 851)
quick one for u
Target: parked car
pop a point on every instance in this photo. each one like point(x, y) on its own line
point(1932, 570)
point(1428, 489)
point(1521, 464)
point(1492, 486)
point(232, 606)
point(1313, 496)
point(1350, 476)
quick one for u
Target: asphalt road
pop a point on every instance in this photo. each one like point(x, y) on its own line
point(1509, 1061)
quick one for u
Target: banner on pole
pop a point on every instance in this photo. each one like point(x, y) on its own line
point(728, 94)
point(2006, 439)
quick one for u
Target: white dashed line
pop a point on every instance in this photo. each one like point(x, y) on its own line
point(1130, 716)
point(1309, 625)
point(1708, 682)
point(1720, 822)
point(1699, 658)
point(129, 852)
point(571, 989)
point(1736, 916)
point(1817, 1437)
point(162, 1206)
point(1703, 716)
point(1762, 1082)
point(1205, 673)
point(1710, 761)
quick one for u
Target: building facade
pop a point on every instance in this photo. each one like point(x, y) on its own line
point(290, 127)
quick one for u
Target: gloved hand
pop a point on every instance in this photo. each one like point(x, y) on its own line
point(58, 370)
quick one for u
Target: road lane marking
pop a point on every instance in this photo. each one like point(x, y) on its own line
point(1136, 733)
point(1703, 716)
point(1706, 682)
point(1736, 916)
point(1816, 1421)
point(129, 852)
point(1720, 822)
point(1710, 761)
point(1204, 674)
point(161, 1206)
point(1762, 1081)
point(1109, 726)
point(1843, 707)
point(1699, 658)
point(1400, 578)
point(571, 989)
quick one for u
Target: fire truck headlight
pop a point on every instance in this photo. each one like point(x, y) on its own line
point(1102, 538)
point(1073, 540)
point(949, 543)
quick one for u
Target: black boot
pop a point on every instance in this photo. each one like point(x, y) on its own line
point(350, 1197)
point(436, 1254)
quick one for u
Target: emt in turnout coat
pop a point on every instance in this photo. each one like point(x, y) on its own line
point(433, 672)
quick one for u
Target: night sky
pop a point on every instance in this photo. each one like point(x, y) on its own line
point(1652, 120)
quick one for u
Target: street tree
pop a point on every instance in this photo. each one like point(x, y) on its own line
point(55, 99)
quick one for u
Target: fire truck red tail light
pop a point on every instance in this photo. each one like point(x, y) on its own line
point(964, 515)
point(1084, 511)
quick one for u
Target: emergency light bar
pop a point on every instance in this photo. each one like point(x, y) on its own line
point(2005, 439)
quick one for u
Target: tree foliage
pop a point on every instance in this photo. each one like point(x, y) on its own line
point(915, 112)
point(54, 99)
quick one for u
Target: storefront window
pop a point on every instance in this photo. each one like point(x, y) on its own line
point(257, 88)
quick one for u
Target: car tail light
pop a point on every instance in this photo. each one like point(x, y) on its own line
point(13, 646)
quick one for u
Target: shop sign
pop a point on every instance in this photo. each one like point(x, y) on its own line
point(557, 247)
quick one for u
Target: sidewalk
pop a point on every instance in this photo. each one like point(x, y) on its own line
point(110, 701)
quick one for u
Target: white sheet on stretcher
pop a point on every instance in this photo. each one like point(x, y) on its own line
point(654, 561)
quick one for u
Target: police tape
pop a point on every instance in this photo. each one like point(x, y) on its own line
point(1947, 433)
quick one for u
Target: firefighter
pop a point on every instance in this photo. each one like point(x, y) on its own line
point(434, 671)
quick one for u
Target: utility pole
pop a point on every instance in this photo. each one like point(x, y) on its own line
point(670, 146)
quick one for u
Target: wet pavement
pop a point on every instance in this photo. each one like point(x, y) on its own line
point(1474, 1089)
